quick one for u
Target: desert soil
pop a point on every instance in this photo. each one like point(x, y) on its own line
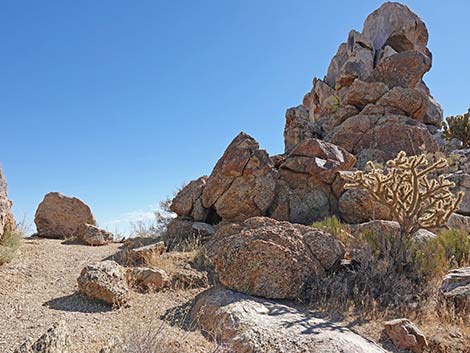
point(39, 288)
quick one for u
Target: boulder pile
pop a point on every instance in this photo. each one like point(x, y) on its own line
point(372, 104)
point(373, 101)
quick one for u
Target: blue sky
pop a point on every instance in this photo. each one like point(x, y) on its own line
point(120, 102)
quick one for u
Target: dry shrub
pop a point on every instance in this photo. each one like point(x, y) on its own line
point(388, 274)
point(9, 244)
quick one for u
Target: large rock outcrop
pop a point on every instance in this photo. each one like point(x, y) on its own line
point(246, 182)
point(271, 259)
point(247, 324)
point(59, 216)
point(373, 101)
point(7, 221)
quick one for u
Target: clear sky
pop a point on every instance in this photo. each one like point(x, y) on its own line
point(120, 102)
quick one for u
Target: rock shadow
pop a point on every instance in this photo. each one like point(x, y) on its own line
point(77, 303)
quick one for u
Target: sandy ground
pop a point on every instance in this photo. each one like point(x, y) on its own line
point(39, 288)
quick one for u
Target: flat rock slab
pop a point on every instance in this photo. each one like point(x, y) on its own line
point(246, 324)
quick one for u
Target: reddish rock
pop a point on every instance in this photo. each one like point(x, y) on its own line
point(405, 335)
point(272, 259)
point(243, 181)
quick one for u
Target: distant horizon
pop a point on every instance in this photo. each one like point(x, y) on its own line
point(119, 106)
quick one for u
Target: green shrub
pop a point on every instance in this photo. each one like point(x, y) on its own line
point(334, 226)
point(9, 244)
point(454, 244)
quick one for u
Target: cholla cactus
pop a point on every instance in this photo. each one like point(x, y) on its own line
point(403, 186)
point(458, 127)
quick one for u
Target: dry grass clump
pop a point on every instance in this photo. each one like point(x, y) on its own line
point(374, 287)
point(9, 244)
point(148, 332)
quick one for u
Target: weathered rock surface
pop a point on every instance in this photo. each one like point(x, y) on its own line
point(462, 183)
point(105, 281)
point(304, 190)
point(243, 181)
point(246, 182)
point(55, 340)
point(92, 235)
point(380, 73)
point(457, 221)
point(271, 259)
point(147, 278)
point(188, 202)
point(387, 134)
point(248, 324)
point(59, 216)
point(405, 335)
point(455, 287)
point(298, 127)
point(7, 221)
point(357, 206)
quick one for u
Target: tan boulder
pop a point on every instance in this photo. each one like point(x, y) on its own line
point(92, 235)
point(242, 183)
point(145, 254)
point(147, 278)
point(405, 335)
point(55, 340)
point(269, 258)
point(7, 221)
point(242, 324)
point(104, 281)
point(59, 216)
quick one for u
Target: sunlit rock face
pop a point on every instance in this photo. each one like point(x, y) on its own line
point(373, 101)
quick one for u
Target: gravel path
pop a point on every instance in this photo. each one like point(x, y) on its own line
point(39, 288)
